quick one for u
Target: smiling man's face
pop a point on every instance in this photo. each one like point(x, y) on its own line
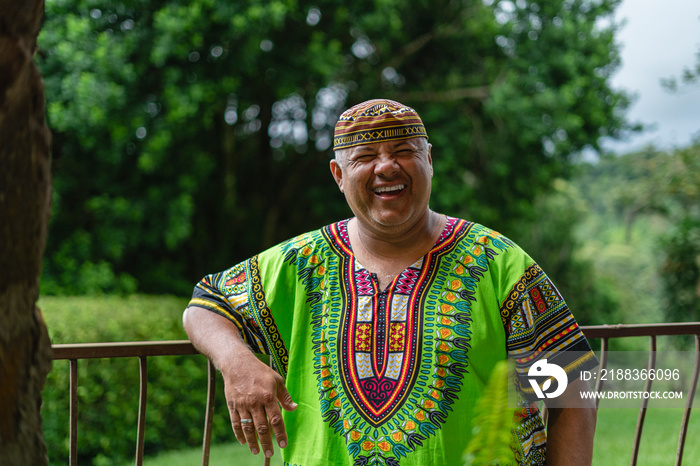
point(386, 184)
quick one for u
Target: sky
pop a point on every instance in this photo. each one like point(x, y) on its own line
point(659, 40)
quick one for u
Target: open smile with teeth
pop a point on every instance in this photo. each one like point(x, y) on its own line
point(389, 189)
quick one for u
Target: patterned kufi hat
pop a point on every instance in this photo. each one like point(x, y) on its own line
point(377, 120)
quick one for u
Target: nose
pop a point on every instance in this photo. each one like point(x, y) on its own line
point(386, 166)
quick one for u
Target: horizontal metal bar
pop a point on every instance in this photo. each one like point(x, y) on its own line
point(184, 347)
point(641, 330)
point(123, 349)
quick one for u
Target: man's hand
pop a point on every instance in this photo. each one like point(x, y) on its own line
point(252, 388)
point(252, 393)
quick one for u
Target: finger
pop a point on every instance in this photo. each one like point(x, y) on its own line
point(236, 424)
point(274, 416)
point(263, 429)
point(285, 398)
point(249, 433)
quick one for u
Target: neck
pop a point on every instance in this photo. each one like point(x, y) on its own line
point(416, 240)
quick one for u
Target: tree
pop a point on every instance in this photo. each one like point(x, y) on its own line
point(553, 242)
point(191, 135)
point(25, 350)
point(681, 267)
point(644, 232)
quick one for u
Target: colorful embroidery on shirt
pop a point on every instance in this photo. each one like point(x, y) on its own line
point(390, 363)
point(226, 294)
point(539, 325)
point(263, 318)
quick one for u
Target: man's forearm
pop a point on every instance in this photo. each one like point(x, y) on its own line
point(570, 434)
point(252, 389)
point(570, 431)
point(214, 336)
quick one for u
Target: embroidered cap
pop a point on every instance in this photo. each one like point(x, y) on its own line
point(377, 120)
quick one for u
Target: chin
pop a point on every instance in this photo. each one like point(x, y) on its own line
point(390, 221)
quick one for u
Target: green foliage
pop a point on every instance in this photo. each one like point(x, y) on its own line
point(492, 437)
point(188, 136)
point(108, 388)
point(552, 241)
point(681, 272)
point(681, 268)
point(643, 232)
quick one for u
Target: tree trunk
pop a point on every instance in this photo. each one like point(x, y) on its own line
point(25, 191)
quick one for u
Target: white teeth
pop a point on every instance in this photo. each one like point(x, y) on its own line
point(387, 189)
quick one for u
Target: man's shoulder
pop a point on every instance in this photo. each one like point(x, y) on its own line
point(307, 243)
point(312, 237)
point(480, 234)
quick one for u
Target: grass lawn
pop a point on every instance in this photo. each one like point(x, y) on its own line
point(614, 437)
point(233, 454)
point(613, 443)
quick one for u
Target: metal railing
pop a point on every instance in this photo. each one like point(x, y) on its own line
point(606, 332)
point(142, 350)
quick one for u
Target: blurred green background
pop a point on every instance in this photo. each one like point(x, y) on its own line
point(191, 135)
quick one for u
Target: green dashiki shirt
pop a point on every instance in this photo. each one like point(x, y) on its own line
point(390, 377)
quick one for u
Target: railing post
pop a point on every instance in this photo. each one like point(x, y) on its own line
point(689, 403)
point(143, 393)
point(645, 402)
point(209, 417)
point(603, 365)
point(73, 449)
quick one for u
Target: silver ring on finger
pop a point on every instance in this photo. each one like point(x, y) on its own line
point(246, 421)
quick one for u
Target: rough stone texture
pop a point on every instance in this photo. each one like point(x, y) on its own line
point(25, 191)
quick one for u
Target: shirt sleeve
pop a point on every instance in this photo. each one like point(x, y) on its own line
point(227, 294)
point(539, 326)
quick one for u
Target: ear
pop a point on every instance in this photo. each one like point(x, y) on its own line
point(337, 172)
point(430, 159)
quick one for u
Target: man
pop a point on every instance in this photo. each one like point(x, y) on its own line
point(385, 327)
